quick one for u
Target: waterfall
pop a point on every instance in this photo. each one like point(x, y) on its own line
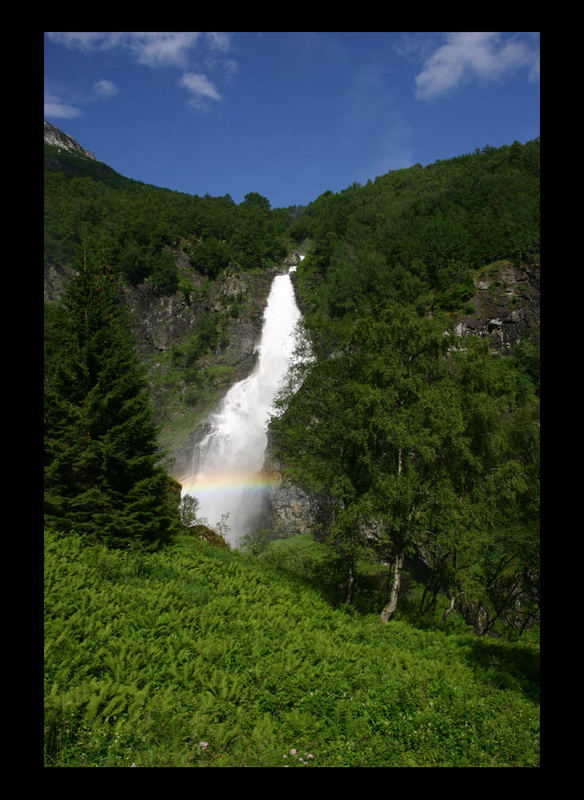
point(227, 462)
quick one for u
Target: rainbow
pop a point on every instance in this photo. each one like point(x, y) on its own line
point(231, 482)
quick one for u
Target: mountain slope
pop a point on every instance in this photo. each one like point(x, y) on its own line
point(64, 154)
point(195, 274)
point(63, 141)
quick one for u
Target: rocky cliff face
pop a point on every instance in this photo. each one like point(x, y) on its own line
point(294, 509)
point(55, 281)
point(161, 322)
point(506, 305)
point(64, 142)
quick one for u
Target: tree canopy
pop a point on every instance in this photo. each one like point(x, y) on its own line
point(138, 229)
point(101, 451)
point(427, 447)
point(418, 234)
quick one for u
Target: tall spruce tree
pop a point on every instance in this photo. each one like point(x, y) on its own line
point(101, 458)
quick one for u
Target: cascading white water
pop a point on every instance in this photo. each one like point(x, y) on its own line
point(228, 460)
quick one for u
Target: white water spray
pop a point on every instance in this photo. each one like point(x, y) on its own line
point(227, 461)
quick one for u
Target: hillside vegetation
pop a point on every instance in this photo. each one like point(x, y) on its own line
point(405, 631)
point(425, 446)
point(196, 656)
point(138, 229)
point(418, 235)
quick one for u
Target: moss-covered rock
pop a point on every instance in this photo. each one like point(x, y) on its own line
point(210, 536)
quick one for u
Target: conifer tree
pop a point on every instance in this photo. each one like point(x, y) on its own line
point(101, 455)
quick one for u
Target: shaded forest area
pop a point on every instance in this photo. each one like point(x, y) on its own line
point(424, 445)
point(138, 229)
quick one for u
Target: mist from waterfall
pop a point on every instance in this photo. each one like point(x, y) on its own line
point(227, 462)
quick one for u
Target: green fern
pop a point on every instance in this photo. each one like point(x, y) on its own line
point(144, 675)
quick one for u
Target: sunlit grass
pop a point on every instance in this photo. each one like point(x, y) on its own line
point(195, 656)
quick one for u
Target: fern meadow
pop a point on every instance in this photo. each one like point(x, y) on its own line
point(198, 656)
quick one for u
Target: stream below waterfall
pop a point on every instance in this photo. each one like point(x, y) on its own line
point(227, 462)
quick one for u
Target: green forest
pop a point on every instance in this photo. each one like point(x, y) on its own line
point(406, 632)
point(136, 227)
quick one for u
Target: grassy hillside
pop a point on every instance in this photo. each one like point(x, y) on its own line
point(195, 656)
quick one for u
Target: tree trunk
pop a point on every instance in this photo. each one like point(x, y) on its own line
point(481, 621)
point(350, 582)
point(389, 609)
point(448, 610)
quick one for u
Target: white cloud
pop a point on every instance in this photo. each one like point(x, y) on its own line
point(61, 111)
point(151, 48)
point(56, 108)
point(219, 41)
point(486, 56)
point(105, 88)
point(79, 40)
point(160, 49)
point(231, 67)
point(62, 104)
point(200, 88)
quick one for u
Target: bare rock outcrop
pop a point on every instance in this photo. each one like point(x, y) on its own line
point(506, 305)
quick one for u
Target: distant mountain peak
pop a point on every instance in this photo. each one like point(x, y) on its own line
point(64, 142)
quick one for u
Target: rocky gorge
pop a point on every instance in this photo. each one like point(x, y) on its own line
point(504, 308)
point(161, 323)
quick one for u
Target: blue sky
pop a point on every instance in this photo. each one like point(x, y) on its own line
point(287, 114)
